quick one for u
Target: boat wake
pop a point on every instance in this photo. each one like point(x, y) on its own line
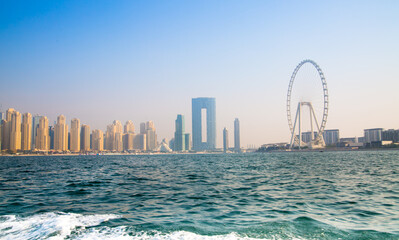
point(48, 225)
point(59, 225)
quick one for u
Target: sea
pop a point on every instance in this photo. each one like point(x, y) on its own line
point(281, 195)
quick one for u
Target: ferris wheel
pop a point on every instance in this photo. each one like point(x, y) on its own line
point(316, 140)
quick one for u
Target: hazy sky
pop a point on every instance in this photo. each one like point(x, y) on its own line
point(144, 60)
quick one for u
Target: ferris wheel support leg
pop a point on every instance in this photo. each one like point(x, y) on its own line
point(315, 119)
point(293, 130)
point(299, 125)
point(321, 138)
point(311, 124)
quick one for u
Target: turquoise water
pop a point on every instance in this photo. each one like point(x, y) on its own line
point(309, 195)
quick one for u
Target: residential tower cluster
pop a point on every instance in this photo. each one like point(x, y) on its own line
point(34, 134)
point(29, 134)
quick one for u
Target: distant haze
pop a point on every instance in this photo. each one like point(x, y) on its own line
point(145, 60)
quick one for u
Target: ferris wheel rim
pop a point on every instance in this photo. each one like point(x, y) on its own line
point(325, 97)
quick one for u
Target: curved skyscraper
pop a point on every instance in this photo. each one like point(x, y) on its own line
point(201, 142)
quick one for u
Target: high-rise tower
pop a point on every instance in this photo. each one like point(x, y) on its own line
point(187, 141)
point(118, 136)
point(35, 125)
point(98, 140)
point(15, 131)
point(129, 127)
point(237, 146)
point(75, 135)
point(128, 136)
point(179, 144)
point(225, 140)
point(142, 128)
point(201, 142)
point(151, 136)
point(140, 140)
point(42, 135)
point(26, 131)
point(85, 138)
point(6, 129)
point(114, 136)
point(61, 134)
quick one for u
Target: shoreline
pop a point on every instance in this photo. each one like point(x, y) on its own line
point(195, 153)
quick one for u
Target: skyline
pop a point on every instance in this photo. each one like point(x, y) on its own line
point(147, 61)
point(18, 129)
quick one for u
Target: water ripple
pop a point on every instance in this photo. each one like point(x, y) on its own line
point(309, 195)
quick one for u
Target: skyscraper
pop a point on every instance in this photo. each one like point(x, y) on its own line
point(129, 127)
point(2, 117)
point(201, 142)
point(140, 142)
point(114, 136)
point(110, 137)
point(26, 131)
point(142, 128)
point(128, 136)
point(4, 135)
point(149, 125)
point(61, 134)
point(1, 134)
point(237, 146)
point(98, 140)
point(179, 134)
point(225, 140)
point(35, 125)
point(75, 135)
point(172, 144)
point(6, 129)
point(42, 135)
point(151, 136)
point(128, 141)
point(9, 112)
point(187, 141)
point(85, 138)
point(118, 136)
point(15, 131)
point(51, 130)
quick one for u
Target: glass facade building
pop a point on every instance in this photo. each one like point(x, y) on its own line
point(225, 140)
point(179, 134)
point(35, 125)
point(237, 145)
point(200, 143)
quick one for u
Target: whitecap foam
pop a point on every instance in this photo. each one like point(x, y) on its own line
point(48, 225)
point(121, 233)
point(73, 226)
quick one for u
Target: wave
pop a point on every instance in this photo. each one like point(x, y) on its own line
point(121, 233)
point(59, 225)
point(48, 225)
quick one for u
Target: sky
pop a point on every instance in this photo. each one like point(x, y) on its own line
point(104, 60)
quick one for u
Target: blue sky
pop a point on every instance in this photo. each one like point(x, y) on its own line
point(144, 60)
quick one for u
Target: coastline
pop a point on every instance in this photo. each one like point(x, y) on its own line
point(196, 153)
